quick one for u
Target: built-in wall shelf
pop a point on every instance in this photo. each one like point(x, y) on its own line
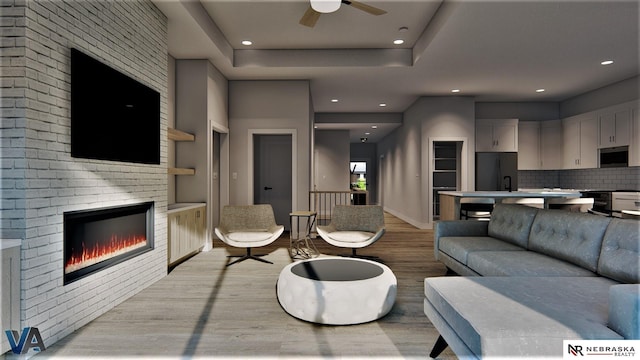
point(181, 171)
point(178, 135)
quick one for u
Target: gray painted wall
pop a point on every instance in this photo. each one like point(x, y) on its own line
point(331, 160)
point(269, 106)
point(404, 166)
point(617, 93)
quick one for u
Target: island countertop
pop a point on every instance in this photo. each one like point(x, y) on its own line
point(450, 200)
point(514, 194)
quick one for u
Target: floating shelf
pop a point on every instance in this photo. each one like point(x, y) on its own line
point(177, 135)
point(181, 171)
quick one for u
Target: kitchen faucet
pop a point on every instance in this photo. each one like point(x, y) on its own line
point(508, 186)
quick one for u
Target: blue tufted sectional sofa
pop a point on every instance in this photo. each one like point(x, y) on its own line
point(532, 278)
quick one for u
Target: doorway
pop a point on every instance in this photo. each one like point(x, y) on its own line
point(448, 164)
point(273, 173)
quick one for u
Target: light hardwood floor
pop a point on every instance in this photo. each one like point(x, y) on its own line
point(202, 309)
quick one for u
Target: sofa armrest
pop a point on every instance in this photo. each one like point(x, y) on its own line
point(457, 228)
point(624, 309)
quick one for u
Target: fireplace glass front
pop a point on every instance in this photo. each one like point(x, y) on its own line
point(96, 239)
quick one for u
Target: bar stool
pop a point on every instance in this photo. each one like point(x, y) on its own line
point(571, 204)
point(476, 208)
point(631, 214)
point(532, 202)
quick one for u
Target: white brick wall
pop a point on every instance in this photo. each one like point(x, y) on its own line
point(41, 181)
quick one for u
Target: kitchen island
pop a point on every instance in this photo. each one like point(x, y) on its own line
point(450, 200)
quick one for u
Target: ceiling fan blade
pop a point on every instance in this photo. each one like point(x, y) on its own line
point(364, 7)
point(310, 17)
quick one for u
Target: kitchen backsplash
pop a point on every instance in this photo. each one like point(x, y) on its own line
point(597, 179)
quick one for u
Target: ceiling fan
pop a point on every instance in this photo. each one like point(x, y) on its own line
point(318, 7)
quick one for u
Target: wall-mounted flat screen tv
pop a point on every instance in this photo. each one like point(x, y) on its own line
point(113, 117)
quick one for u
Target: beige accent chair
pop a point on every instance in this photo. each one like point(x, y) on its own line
point(248, 226)
point(354, 226)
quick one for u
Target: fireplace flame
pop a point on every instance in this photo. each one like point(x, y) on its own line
point(110, 248)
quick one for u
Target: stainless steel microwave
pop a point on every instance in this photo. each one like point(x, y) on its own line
point(614, 157)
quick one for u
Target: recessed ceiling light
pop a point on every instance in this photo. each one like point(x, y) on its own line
point(374, 126)
point(334, 100)
point(247, 42)
point(455, 90)
point(540, 90)
point(398, 41)
point(382, 105)
point(367, 133)
point(403, 29)
point(607, 62)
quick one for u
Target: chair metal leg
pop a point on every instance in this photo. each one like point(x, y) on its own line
point(247, 256)
point(439, 347)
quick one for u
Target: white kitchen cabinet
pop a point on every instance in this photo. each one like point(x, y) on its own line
point(529, 145)
point(615, 126)
point(580, 141)
point(496, 135)
point(187, 231)
point(551, 146)
point(634, 147)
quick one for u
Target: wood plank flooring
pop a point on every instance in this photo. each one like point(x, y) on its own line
point(203, 309)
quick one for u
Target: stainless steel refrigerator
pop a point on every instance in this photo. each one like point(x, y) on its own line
point(496, 171)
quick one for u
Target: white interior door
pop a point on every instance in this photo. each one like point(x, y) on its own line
point(272, 183)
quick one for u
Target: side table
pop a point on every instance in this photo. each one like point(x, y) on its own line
point(304, 247)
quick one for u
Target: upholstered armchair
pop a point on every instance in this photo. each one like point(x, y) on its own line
point(248, 226)
point(354, 226)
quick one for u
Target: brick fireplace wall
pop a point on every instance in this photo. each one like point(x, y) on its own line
point(40, 179)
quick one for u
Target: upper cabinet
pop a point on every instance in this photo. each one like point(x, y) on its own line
point(580, 141)
point(496, 135)
point(551, 145)
point(529, 145)
point(615, 126)
point(539, 145)
point(634, 147)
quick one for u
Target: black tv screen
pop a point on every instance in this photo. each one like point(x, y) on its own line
point(113, 117)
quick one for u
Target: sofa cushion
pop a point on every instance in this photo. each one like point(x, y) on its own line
point(512, 223)
point(624, 306)
point(522, 263)
point(459, 247)
point(444, 228)
point(573, 237)
point(519, 317)
point(620, 253)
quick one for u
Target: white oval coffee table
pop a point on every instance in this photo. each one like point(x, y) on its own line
point(337, 290)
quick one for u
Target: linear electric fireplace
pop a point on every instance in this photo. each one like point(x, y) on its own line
point(96, 239)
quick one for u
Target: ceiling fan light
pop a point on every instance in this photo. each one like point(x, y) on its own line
point(325, 6)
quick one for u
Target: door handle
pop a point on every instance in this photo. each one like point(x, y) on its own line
point(268, 188)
